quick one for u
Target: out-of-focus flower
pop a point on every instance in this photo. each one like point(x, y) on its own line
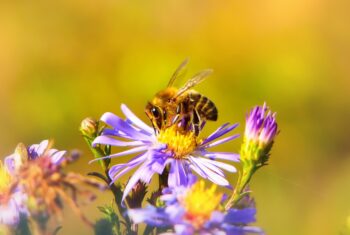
point(37, 173)
point(196, 210)
point(12, 201)
point(184, 151)
point(260, 131)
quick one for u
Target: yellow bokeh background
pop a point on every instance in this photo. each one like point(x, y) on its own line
point(61, 61)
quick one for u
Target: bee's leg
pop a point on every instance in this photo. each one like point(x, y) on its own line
point(175, 119)
point(156, 130)
point(186, 122)
point(196, 122)
point(182, 118)
point(186, 116)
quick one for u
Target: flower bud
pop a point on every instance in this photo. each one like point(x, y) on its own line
point(138, 192)
point(260, 131)
point(89, 127)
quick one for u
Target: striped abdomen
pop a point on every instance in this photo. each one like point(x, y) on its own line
point(204, 106)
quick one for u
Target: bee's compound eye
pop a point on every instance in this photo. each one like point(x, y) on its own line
point(155, 112)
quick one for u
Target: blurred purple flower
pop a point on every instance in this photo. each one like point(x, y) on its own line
point(183, 151)
point(36, 184)
point(13, 208)
point(195, 210)
point(12, 198)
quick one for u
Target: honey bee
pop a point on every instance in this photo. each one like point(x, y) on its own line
point(183, 106)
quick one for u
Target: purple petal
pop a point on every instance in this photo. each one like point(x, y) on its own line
point(184, 229)
point(10, 164)
point(241, 230)
point(150, 215)
point(9, 213)
point(130, 151)
point(217, 179)
point(245, 216)
point(219, 132)
point(222, 155)
point(210, 166)
point(177, 174)
point(222, 165)
point(42, 147)
point(194, 166)
point(121, 125)
point(114, 173)
point(114, 132)
point(143, 173)
point(221, 141)
point(217, 217)
point(57, 157)
point(212, 176)
point(114, 142)
point(159, 164)
point(127, 152)
point(135, 120)
point(147, 174)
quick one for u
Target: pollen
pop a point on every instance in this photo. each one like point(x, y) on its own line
point(199, 203)
point(4, 178)
point(179, 142)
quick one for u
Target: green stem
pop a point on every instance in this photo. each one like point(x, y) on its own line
point(97, 152)
point(116, 189)
point(242, 182)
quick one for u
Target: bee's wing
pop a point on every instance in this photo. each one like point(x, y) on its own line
point(178, 72)
point(199, 77)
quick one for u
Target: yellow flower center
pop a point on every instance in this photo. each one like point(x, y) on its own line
point(199, 203)
point(180, 142)
point(5, 178)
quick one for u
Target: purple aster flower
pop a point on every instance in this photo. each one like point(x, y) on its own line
point(183, 151)
point(260, 131)
point(188, 212)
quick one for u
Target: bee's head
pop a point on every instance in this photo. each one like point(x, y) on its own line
point(156, 114)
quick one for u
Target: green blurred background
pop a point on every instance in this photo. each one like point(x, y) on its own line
point(61, 61)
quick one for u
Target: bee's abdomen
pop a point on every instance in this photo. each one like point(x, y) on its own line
point(204, 106)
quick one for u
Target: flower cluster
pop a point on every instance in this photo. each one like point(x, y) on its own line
point(181, 205)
